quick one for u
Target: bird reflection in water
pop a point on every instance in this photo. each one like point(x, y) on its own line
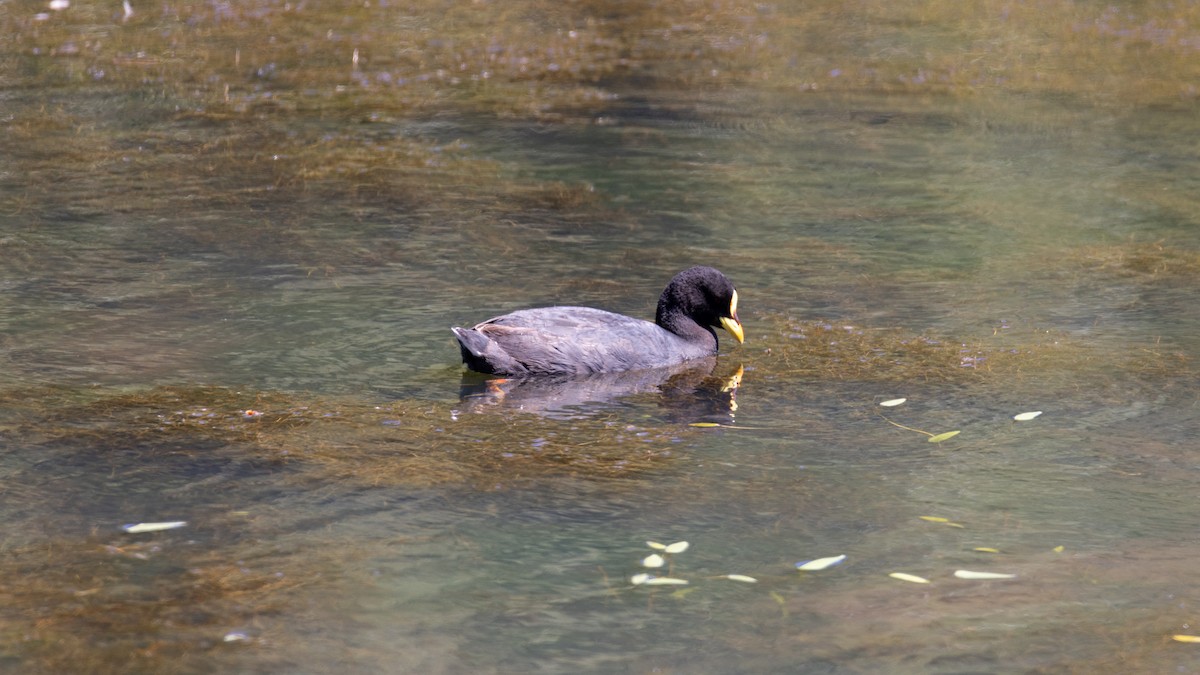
point(693, 391)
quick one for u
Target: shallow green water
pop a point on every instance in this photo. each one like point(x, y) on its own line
point(197, 220)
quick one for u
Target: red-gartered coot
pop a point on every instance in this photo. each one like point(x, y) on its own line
point(584, 340)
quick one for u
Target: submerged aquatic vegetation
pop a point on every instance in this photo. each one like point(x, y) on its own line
point(822, 350)
point(153, 606)
point(415, 443)
point(339, 99)
point(1141, 261)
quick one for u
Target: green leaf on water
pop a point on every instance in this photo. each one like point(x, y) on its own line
point(943, 436)
point(704, 425)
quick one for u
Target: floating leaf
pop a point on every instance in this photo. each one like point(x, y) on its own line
point(943, 436)
point(704, 425)
point(893, 402)
point(1026, 416)
point(639, 579)
point(1186, 638)
point(677, 547)
point(940, 520)
point(665, 581)
point(820, 563)
point(986, 549)
point(741, 577)
point(656, 546)
point(968, 574)
point(139, 528)
point(1059, 549)
point(653, 560)
point(902, 576)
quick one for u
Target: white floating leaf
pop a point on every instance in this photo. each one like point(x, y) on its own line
point(968, 574)
point(820, 563)
point(639, 579)
point(666, 581)
point(656, 546)
point(1026, 416)
point(138, 528)
point(235, 636)
point(653, 560)
point(903, 576)
point(677, 547)
point(893, 402)
point(741, 577)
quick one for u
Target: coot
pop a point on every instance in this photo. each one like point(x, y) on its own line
point(577, 340)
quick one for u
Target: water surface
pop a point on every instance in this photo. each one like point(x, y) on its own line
point(232, 240)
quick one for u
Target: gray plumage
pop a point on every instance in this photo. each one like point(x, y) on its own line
point(577, 340)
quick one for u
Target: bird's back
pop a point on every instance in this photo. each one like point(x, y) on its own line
point(571, 340)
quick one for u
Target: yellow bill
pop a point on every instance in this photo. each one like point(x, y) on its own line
point(731, 323)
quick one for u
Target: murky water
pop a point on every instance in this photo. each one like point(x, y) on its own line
point(213, 209)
